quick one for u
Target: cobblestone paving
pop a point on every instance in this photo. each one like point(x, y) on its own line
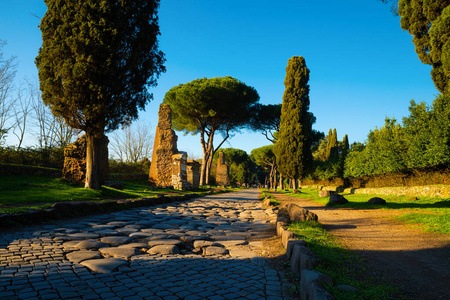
point(205, 248)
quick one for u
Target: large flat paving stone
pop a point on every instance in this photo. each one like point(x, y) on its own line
point(165, 242)
point(79, 256)
point(116, 240)
point(83, 235)
point(120, 252)
point(164, 249)
point(105, 265)
point(214, 250)
point(90, 244)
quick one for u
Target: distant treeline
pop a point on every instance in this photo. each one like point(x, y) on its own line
point(421, 141)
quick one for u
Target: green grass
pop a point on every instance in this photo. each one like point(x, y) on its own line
point(342, 265)
point(266, 194)
point(433, 214)
point(20, 193)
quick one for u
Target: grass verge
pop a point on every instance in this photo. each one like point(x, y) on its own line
point(432, 214)
point(21, 193)
point(342, 265)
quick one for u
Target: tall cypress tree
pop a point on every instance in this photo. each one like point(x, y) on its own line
point(293, 148)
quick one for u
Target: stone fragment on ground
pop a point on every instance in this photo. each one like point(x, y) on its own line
point(164, 249)
point(105, 265)
point(119, 252)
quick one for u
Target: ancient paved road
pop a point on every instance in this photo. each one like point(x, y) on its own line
point(205, 248)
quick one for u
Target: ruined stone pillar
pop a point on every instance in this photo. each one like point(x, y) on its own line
point(193, 174)
point(222, 178)
point(179, 174)
point(164, 147)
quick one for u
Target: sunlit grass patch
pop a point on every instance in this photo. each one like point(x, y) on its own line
point(342, 265)
point(433, 214)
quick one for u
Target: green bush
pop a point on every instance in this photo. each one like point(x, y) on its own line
point(120, 167)
point(50, 157)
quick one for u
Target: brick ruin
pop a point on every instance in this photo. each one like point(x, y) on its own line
point(75, 161)
point(169, 167)
point(222, 178)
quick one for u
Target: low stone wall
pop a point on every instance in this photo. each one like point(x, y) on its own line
point(441, 191)
point(302, 259)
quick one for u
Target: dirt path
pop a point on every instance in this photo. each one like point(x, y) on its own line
point(417, 263)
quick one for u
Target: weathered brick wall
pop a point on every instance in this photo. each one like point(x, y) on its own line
point(193, 174)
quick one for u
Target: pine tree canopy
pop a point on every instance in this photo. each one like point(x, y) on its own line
point(98, 59)
point(429, 23)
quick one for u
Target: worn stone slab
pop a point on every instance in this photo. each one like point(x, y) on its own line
point(214, 250)
point(105, 265)
point(90, 244)
point(242, 253)
point(140, 234)
point(79, 256)
point(164, 249)
point(120, 252)
point(227, 238)
point(162, 237)
point(83, 235)
point(116, 240)
point(203, 243)
point(134, 245)
point(165, 242)
point(232, 243)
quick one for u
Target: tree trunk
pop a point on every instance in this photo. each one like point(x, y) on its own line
point(203, 169)
point(281, 181)
point(93, 161)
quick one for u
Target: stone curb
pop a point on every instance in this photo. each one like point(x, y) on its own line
point(60, 210)
point(303, 260)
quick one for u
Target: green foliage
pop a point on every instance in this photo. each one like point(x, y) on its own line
point(241, 167)
point(98, 59)
point(49, 157)
point(121, 167)
point(266, 118)
point(384, 152)
point(207, 106)
point(423, 141)
point(293, 148)
point(429, 24)
point(265, 158)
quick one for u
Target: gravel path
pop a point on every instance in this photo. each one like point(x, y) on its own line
point(206, 248)
point(418, 263)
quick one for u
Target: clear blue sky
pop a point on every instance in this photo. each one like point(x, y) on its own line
point(362, 64)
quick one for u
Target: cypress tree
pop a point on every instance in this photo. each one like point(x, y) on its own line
point(97, 62)
point(329, 136)
point(345, 146)
point(293, 148)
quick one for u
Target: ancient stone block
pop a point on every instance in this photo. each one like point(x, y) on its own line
point(222, 177)
point(164, 147)
point(179, 175)
point(193, 174)
point(75, 161)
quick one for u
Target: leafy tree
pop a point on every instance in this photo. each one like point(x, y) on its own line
point(293, 148)
point(385, 152)
point(266, 118)
point(265, 158)
point(98, 59)
point(209, 106)
point(428, 21)
point(427, 133)
point(241, 167)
